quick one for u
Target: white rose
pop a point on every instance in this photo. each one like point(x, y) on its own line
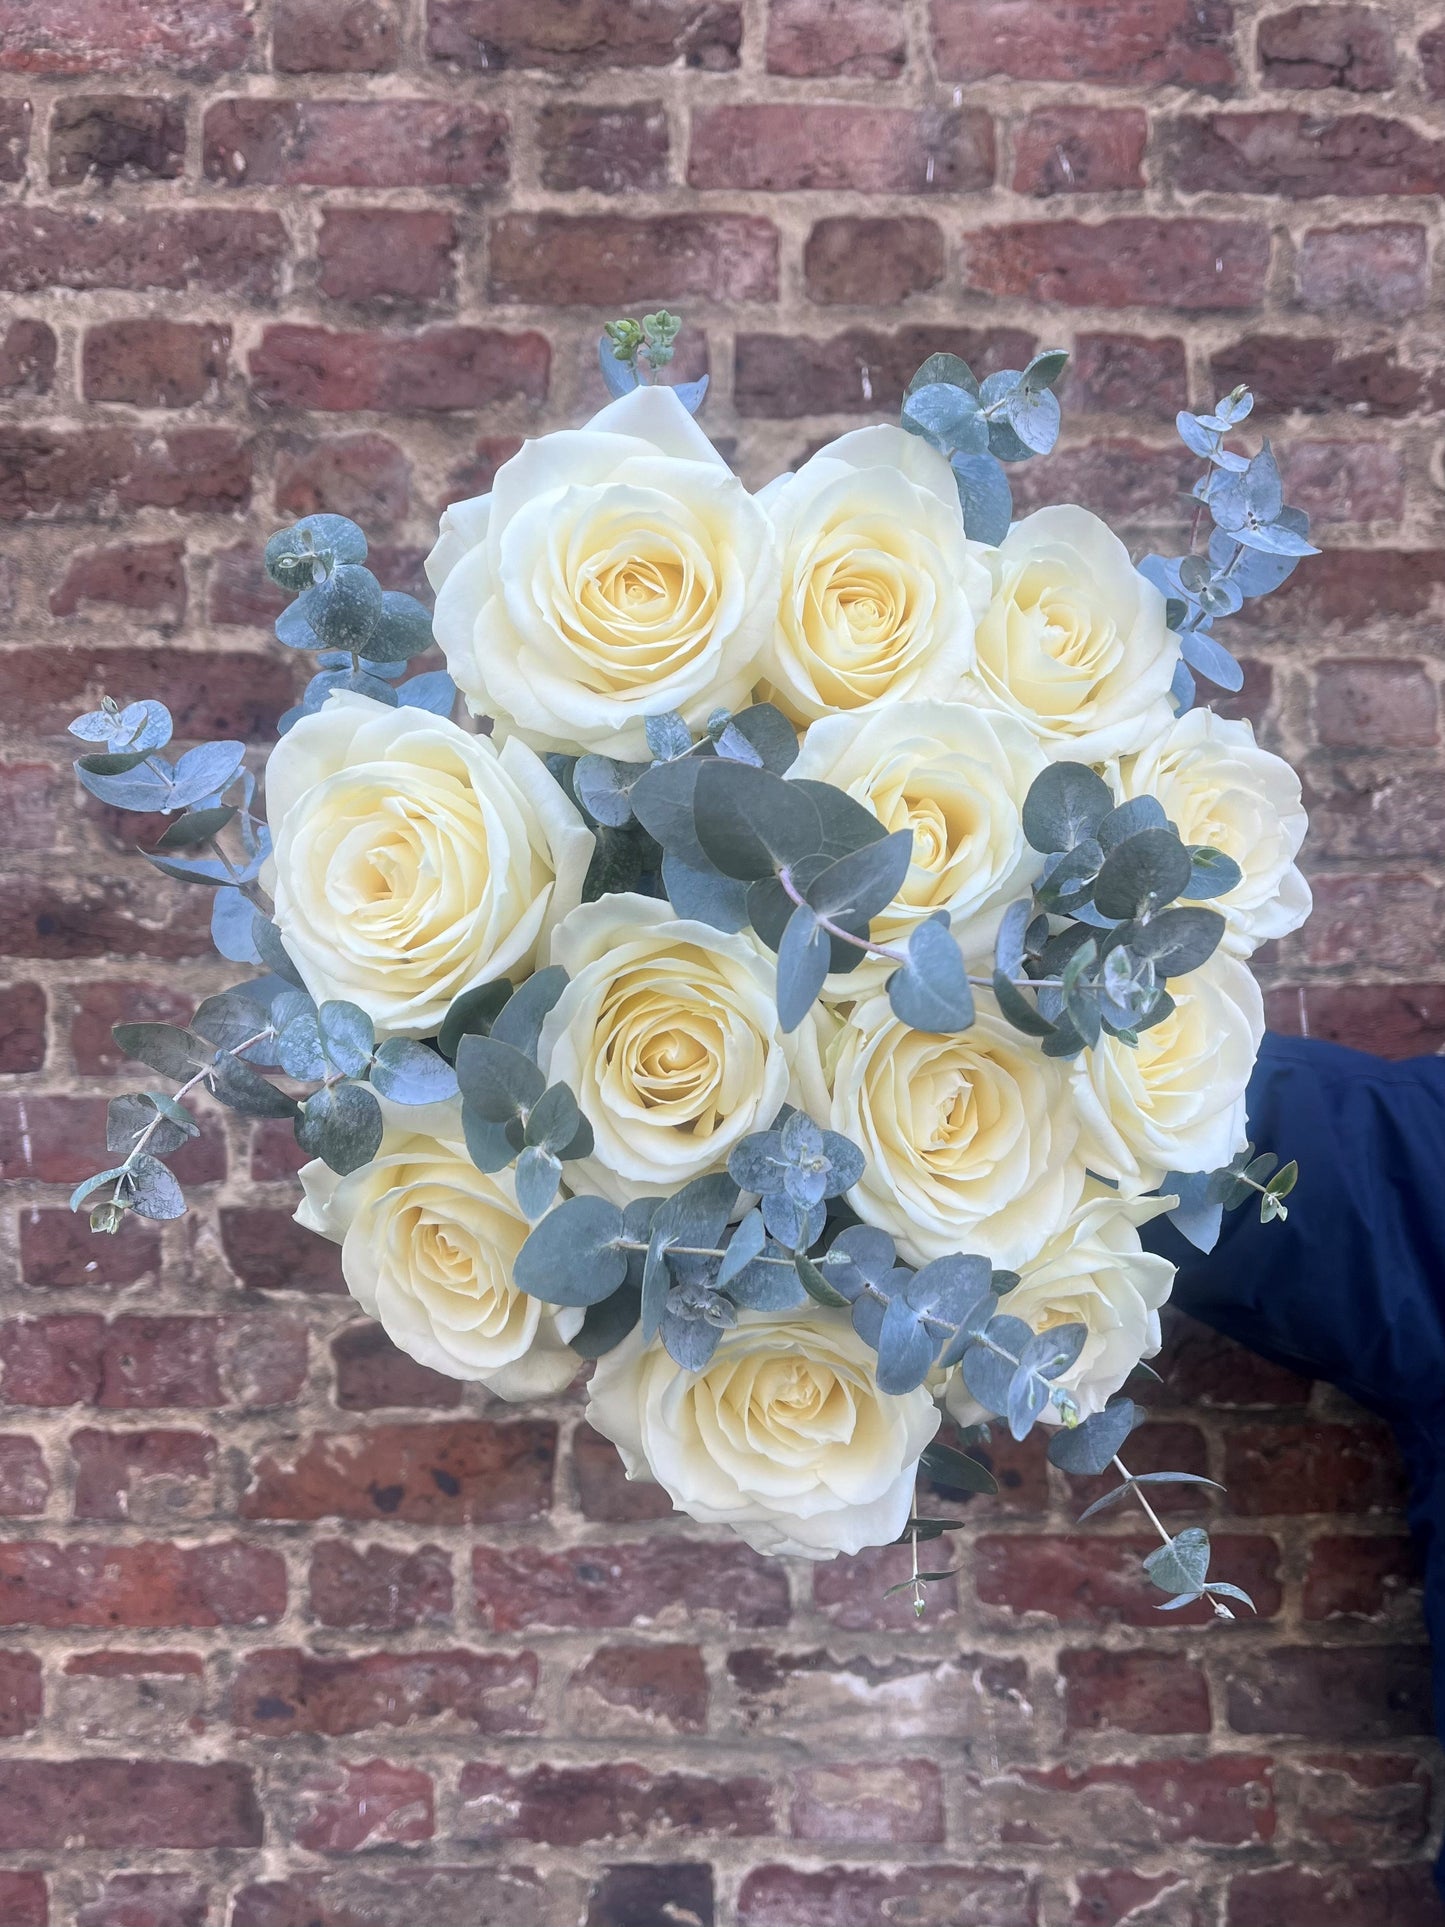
point(668, 1035)
point(413, 860)
point(1219, 787)
point(972, 1139)
point(1074, 640)
point(783, 1435)
point(957, 777)
point(881, 588)
point(1175, 1101)
point(1095, 1273)
point(613, 572)
point(427, 1244)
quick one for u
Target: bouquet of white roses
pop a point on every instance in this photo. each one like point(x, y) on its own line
point(833, 955)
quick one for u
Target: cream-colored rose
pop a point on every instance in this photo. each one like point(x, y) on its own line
point(1219, 787)
point(1175, 1101)
point(972, 1139)
point(668, 1035)
point(1095, 1273)
point(427, 1243)
point(957, 777)
point(881, 589)
point(413, 860)
point(783, 1435)
point(614, 571)
point(1074, 639)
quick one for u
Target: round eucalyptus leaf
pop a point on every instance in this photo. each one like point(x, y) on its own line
point(751, 823)
point(931, 991)
point(496, 1079)
point(293, 556)
point(572, 1256)
point(344, 611)
point(409, 1072)
point(342, 1125)
point(1065, 805)
point(402, 629)
point(347, 1037)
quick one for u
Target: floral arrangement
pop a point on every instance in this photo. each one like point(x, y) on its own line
point(834, 954)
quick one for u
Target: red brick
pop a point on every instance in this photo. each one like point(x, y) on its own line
point(639, 1688)
point(853, 1593)
point(23, 1900)
point(1083, 1581)
point(354, 143)
point(215, 692)
point(873, 150)
point(1380, 270)
point(369, 1803)
point(873, 263)
point(381, 254)
point(847, 39)
point(599, 259)
point(1226, 1800)
point(371, 1373)
point(1316, 375)
point(872, 1702)
point(1312, 1468)
point(284, 1691)
point(268, 1251)
point(27, 358)
point(1200, 1368)
point(21, 1694)
point(378, 1588)
point(274, 1151)
point(476, 474)
point(1349, 1693)
point(1138, 260)
point(1359, 1577)
point(1361, 811)
point(197, 38)
point(129, 1804)
point(223, 250)
point(1432, 60)
point(439, 369)
point(864, 1896)
point(1364, 703)
point(1361, 1805)
point(603, 1489)
point(612, 150)
point(1119, 478)
point(570, 1806)
point(155, 363)
point(1400, 913)
point(1145, 1692)
point(55, 1140)
point(1328, 46)
point(1345, 481)
point(70, 920)
point(146, 1900)
point(31, 798)
point(655, 1580)
point(1300, 155)
point(110, 136)
point(15, 119)
point(1111, 374)
point(59, 1251)
point(65, 472)
point(870, 1802)
point(147, 578)
point(149, 1476)
point(578, 36)
point(652, 1894)
point(1335, 1897)
point(1392, 1020)
point(318, 37)
point(861, 372)
point(151, 1584)
point(460, 1473)
point(22, 1028)
point(1133, 42)
point(1347, 590)
point(1080, 150)
point(1122, 1898)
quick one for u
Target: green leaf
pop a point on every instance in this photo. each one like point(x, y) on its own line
point(343, 612)
point(1142, 873)
point(1064, 807)
point(947, 417)
point(663, 802)
point(409, 1072)
point(1089, 1448)
point(496, 1079)
point(771, 735)
point(1177, 941)
point(298, 1047)
point(705, 896)
point(1183, 1565)
point(472, 1014)
point(490, 1146)
point(554, 1120)
point(294, 556)
point(984, 496)
point(272, 950)
point(931, 992)
point(1284, 1180)
point(155, 1193)
point(245, 1090)
point(538, 1175)
point(816, 1285)
point(956, 1471)
point(667, 735)
point(1212, 874)
point(863, 883)
point(572, 1256)
point(89, 1186)
point(803, 957)
point(906, 1350)
point(519, 1022)
point(342, 1125)
point(604, 788)
point(1118, 1493)
point(746, 1244)
point(127, 1117)
point(403, 629)
point(606, 1324)
point(228, 1019)
point(1033, 415)
point(197, 826)
point(347, 1037)
point(1045, 368)
point(751, 823)
point(1017, 1010)
point(949, 369)
point(167, 1048)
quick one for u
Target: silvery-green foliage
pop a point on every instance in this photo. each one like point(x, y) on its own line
point(980, 425)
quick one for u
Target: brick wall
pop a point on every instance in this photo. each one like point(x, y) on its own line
point(297, 1632)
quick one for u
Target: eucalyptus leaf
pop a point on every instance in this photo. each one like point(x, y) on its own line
point(472, 1014)
point(572, 1257)
point(1183, 1564)
point(402, 629)
point(667, 735)
point(864, 882)
point(154, 1191)
point(343, 611)
point(1090, 1447)
point(604, 788)
point(1065, 804)
point(127, 1117)
point(803, 957)
point(906, 1351)
point(813, 1281)
point(232, 918)
point(347, 1037)
point(408, 1072)
point(751, 823)
point(705, 896)
point(931, 991)
point(168, 1048)
point(496, 1079)
point(984, 496)
point(663, 801)
point(295, 555)
point(538, 1175)
point(607, 1323)
point(956, 1471)
point(342, 1125)
point(519, 1022)
point(1142, 873)
point(554, 1120)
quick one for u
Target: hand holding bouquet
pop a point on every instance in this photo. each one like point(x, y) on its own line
point(834, 954)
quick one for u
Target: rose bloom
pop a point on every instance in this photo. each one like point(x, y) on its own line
point(427, 1244)
point(1074, 640)
point(957, 777)
point(614, 571)
point(668, 1035)
point(1094, 1272)
point(413, 860)
point(881, 588)
point(1175, 1101)
point(972, 1139)
point(783, 1435)
point(1219, 787)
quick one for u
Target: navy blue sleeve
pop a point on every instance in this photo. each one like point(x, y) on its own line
point(1352, 1287)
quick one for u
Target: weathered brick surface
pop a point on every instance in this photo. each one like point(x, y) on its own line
point(301, 1634)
